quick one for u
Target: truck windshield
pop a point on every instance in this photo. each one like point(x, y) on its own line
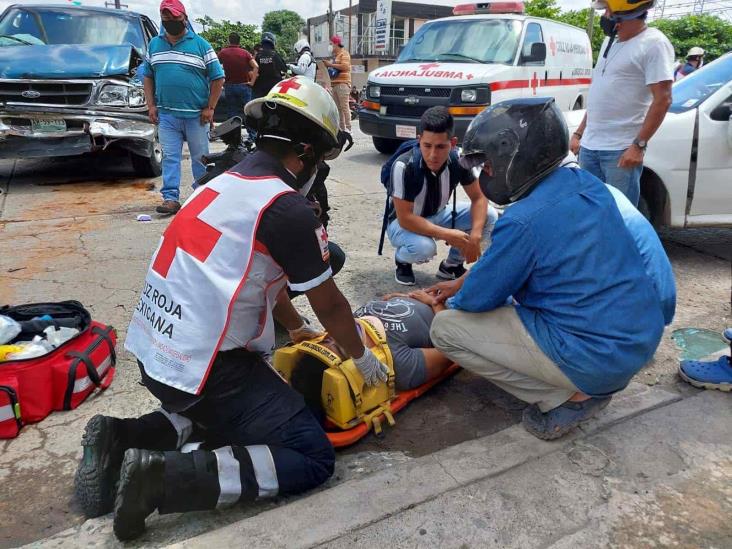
point(692, 90)
point(465, 41)
point(23, 26)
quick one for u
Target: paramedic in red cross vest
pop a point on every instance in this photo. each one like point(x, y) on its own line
point(422, 181)
point(203, 331)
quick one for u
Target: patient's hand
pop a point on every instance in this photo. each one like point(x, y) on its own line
point(423, 297)
point(387, 297)
point(444, 290)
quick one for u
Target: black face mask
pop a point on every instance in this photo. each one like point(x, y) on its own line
point(607, 25)
point(174, 28)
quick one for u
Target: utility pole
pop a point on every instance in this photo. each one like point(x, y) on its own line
point(350, 10)
point(591, 23)
point(330, 19)
point(117, 4)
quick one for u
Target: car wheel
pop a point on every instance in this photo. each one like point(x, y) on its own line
point(385, 145)
point(151, 166)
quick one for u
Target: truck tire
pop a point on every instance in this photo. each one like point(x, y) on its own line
point(151, 166)
point(385, 145)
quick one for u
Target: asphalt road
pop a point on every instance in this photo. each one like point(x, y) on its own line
point(69, 231)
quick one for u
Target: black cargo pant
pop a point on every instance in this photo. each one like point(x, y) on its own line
point(259, 438)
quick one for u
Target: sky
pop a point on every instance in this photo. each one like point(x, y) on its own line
point(248, 11)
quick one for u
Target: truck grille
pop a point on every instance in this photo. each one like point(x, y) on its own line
point(404, 91)
point(45, 93)
point(407, 111)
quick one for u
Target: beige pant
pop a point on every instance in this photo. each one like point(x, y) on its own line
point(496, 346)
point(341, 94)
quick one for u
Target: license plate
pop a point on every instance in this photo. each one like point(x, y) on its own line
point(406, 132)
point(48, 126)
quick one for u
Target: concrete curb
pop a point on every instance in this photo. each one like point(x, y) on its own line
point(330, 514)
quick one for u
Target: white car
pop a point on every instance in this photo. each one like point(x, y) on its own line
point(687, 170)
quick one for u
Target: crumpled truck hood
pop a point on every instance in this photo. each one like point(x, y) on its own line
point(67, 61)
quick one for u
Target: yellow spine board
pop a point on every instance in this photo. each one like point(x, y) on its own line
point(344, 396)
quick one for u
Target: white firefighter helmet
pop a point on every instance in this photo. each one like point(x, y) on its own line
point(308, 99)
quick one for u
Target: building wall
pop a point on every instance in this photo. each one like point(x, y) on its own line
point(407, 18)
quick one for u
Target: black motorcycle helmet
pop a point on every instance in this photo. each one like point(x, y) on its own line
point(523, 140)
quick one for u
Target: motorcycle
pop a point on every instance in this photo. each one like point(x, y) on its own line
point(237, 148)
point(230, 132)
point(354, 101)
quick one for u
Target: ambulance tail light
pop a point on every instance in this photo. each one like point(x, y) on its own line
point(489, 8)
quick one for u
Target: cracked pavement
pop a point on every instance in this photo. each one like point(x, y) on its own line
point(69, 231)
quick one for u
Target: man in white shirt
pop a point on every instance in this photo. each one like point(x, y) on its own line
point(629, 97)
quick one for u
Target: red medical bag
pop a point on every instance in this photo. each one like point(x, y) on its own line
point(32, 388)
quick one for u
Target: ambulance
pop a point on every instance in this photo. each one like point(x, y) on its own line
point(484, 54)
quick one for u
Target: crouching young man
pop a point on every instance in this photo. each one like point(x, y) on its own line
point(422, 182)
point(570, 301)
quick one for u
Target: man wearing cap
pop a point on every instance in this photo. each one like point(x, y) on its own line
point(341, 82)
point(629, 96)
point(183, 83)
point(694, 61)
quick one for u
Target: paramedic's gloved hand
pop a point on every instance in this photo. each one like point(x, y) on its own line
point(371, 368)
point(303, 333)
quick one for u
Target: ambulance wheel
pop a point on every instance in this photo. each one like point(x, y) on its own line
point(149, 166)
point(577, 104)
point(385, 145)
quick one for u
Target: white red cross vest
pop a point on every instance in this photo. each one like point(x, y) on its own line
point(209, 287)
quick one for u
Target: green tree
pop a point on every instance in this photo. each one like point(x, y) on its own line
point(710, 32)
point(286, 25)
point(547, 9)
point(217, 32)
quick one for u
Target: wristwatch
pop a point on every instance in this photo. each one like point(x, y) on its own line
point(640, 143)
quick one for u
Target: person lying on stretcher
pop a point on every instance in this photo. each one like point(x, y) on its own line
point(406, 320)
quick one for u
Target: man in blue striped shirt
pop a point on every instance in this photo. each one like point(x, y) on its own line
point(183, 83)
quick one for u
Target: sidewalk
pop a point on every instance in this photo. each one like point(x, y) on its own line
point(659, 479)
point(654, 470)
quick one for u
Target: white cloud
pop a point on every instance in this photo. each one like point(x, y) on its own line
point(250, 12)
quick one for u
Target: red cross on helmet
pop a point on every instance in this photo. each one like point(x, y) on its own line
point(316, 115)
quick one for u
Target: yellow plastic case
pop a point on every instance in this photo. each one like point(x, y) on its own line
point(346, 401)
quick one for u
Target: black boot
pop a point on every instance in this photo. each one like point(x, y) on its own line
point(98, 472)
point(141, 490)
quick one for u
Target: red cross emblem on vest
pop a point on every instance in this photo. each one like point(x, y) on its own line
point(188, 233)
point(289, 84)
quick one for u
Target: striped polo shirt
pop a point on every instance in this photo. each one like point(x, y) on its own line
point(183, 73)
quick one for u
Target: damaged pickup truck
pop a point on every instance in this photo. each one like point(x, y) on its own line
point(69, 84)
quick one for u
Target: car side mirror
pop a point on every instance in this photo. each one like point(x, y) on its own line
point(538, 53)
point(722, 111)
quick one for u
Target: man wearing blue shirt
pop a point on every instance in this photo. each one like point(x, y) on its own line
point(586, 311)
point(183, 83)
